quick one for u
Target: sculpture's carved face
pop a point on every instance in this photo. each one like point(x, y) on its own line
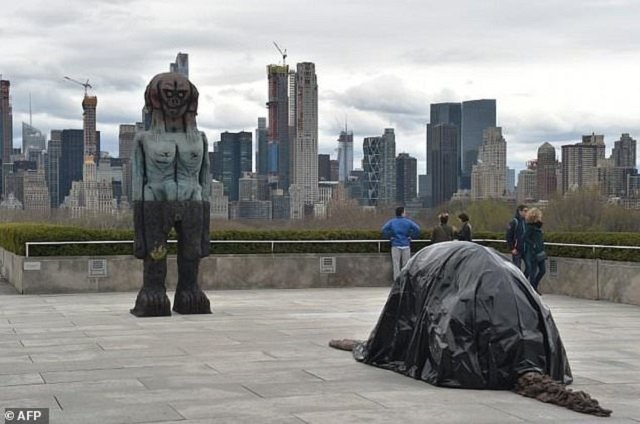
point(173, 94)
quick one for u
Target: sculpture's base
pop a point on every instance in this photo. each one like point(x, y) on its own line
point(187, 302)
point(151, 303)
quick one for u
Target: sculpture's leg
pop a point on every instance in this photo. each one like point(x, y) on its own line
point(152, 300)
point(151, 235)
point(190, 299)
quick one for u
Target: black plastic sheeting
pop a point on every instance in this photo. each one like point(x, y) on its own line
point(461, 315)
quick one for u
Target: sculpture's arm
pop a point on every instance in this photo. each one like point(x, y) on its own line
point(138, 171)
point(205, 173)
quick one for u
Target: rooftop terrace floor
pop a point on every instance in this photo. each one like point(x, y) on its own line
point(262, 357)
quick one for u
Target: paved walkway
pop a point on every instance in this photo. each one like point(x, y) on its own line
point(262, 357)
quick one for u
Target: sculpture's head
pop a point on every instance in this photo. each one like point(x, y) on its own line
point(173, 94)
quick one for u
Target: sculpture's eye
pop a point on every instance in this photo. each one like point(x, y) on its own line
point(168, 93)
point(182, 94)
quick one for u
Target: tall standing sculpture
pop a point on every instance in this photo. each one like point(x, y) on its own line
point(171, 189)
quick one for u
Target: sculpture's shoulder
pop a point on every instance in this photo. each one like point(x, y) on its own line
point(141, 137)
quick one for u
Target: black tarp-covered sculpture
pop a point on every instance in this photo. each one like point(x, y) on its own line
point(460, 315)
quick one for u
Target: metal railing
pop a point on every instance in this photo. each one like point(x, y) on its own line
point(273, 243)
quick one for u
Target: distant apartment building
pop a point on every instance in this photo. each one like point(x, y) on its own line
point(280, 205)
point(248, 187)
point(579, 162)
point(624, 152)
point(219, 203)
point(304, 164)
point(36, 193)
point(527, 189)
point(406, 178)
point(334, 170)
point(488, 174)
point(511, 181)
point(546, 172)
point(181, 65)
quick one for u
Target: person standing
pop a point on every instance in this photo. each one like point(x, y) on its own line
point(400, 230)
point(442, 232)
point(465, 231)
point(515, 236)
point(534, 253)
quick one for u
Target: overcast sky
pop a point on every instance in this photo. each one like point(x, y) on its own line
point(558, 68)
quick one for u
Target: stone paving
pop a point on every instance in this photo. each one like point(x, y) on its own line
point(262, 357)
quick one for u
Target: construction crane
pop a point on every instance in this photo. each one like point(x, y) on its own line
point(283, 53)
point(84, 84)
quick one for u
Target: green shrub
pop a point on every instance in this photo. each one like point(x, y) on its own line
point(14, 236)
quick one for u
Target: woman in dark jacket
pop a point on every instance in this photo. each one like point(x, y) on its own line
point(465, 231)
point(534, 253)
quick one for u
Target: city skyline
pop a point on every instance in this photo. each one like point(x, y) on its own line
point(550, 68)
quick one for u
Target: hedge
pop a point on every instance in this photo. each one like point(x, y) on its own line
point(14, 236)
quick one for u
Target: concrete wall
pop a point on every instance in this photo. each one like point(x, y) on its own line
point(584, 278)
point(39, 275)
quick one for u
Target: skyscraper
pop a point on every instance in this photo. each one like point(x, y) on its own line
point(71, 160)
point(442, 113)
point(6, 129)
point(488, 174)
point(54, 150)
point(235, 158)
point(379, 169)
point(477, 115)
point(304, 165)
point(406, 178)
point(262, 153)
point(278, 127)
point(324, 167)
point(442, 161)
point(32, 139)
point(126, 136)
point(345, 155)
point(6, 121)
point(546, 172)
point(181, 65)
point(91, 142)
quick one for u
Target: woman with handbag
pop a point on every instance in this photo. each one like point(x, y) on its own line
point(534, 253)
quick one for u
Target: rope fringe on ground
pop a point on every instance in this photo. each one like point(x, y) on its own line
point(544, 389)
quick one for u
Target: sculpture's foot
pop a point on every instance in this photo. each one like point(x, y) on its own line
point(152, 303)
point(191, 302)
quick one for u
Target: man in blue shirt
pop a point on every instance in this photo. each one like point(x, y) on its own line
point(400, 230)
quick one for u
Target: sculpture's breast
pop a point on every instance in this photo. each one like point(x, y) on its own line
point(161, 153)
point(190, 154)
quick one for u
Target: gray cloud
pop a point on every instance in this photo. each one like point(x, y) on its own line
point(557, 69)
